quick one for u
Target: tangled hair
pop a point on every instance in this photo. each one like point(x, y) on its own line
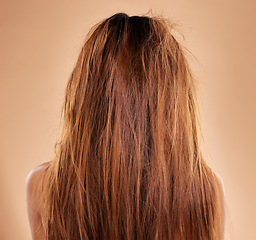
point(128, 164)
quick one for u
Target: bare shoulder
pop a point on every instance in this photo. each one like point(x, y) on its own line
point(220, 187)
point(34, 183)
point(221, 190)
point(220, 182)
point(36, 172)
point(221, 194)
point(34, 178)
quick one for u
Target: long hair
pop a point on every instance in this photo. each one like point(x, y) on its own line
point(128, 163)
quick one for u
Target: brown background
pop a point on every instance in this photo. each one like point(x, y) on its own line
point(39, 43)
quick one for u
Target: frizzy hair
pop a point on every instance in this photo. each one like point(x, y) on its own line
point(128, 164)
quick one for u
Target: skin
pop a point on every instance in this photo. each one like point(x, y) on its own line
point(34, 210)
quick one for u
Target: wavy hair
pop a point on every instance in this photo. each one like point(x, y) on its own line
point(128, 164)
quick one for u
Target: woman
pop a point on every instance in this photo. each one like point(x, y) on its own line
point(128, 164)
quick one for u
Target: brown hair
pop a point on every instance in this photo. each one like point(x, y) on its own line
point(128, 164)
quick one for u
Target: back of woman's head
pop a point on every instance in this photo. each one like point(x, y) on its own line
point(128, 164)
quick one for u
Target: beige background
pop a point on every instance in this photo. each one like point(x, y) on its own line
point(39, 43)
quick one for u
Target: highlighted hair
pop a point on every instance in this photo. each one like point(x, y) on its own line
point(128, 164)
